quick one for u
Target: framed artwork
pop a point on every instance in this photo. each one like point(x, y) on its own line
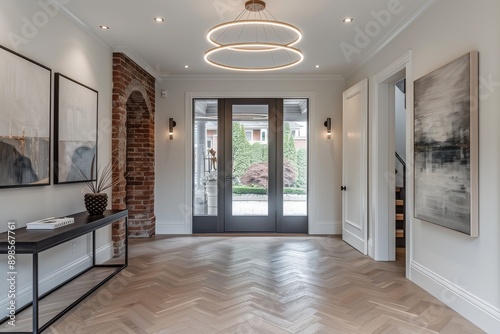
point(75, 119)
point(446, 145)
point(25, 90)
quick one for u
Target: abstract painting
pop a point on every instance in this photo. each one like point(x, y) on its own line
point(24, 121)
point(75, 118)
point(446, 145)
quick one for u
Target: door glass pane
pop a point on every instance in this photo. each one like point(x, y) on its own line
point(250, 160)
point(205, 158)
point(295, 157)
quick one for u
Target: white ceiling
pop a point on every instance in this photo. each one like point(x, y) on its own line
point(164, 48)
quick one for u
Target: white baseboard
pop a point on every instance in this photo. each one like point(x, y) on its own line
point(371, 248)
point(317, 228)
point(104, 253)
point(24, 294)
point(327, 228)
point(173, 229)
point(473, 308)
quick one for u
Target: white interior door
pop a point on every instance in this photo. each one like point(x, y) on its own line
point(355, 167)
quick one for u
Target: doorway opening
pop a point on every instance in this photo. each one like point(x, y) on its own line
point(250, 165)
point(383, 159)
point(400, 167)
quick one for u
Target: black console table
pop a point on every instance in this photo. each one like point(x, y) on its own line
point(36, 241)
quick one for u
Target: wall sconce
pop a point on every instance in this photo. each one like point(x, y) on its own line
point(171, 126)
point(328, 125)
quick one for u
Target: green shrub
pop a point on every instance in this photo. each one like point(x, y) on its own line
point(302, 168)
point(295, 191)
point(247, 190)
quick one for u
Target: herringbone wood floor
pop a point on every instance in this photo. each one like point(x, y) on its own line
point(250, 284)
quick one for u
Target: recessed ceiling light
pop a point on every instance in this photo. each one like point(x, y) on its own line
point(317, 66)
point(159, 19)
point(186, 66)
point(104, 27)
point(348, 20)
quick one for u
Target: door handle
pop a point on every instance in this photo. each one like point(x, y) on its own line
point(343, 188)
point(229, 178)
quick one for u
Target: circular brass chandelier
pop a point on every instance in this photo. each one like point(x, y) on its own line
point(255, 41)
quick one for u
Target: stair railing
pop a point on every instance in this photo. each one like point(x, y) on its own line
point(404, 169)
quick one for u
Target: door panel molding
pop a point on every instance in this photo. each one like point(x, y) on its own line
point(355, 225)
point(355, 151)
point(353, 239)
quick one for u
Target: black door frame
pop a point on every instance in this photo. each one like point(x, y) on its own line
point(281, 224)
point(251, 223)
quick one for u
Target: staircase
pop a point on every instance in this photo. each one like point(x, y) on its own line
point(400, 217)
point(401, 208)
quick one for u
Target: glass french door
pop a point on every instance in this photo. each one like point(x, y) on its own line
point(250, 165)
point(250, 160)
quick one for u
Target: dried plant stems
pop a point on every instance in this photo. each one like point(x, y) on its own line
point(102, 180)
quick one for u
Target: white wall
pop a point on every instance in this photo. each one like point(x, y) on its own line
point(400, 132)
point(173, 170)
point(55, 42)
point(400, 122)
point(464, 272)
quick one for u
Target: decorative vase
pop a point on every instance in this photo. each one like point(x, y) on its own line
point(96, 203)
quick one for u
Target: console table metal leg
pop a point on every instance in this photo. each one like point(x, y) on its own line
point(35, 294)
point(93, 248)
point(126, 241)
point(109, 218)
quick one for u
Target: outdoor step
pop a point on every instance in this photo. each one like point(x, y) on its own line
point(400, 233)
point(399, 202)
point(400, 216)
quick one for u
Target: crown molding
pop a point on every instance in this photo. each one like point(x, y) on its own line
point(254, 77)
point(139, 61)
point(391, 35)
point(81, 24)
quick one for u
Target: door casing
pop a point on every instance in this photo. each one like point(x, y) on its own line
point(380, 123)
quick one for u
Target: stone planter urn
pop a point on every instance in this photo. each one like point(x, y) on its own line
point(211, 189)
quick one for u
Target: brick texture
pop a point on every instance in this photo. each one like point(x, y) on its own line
point(133, 148)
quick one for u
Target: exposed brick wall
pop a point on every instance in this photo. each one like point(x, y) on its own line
point(140, 167)
point(133, 148)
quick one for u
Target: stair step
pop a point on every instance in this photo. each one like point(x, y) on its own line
point(399, 202)
point(398, 189)
point(400, 233)
point(400, 216)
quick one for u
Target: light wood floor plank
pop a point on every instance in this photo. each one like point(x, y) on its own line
point(254, 284)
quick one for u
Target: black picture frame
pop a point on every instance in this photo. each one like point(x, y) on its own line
point(75, 133)
point(25, 127)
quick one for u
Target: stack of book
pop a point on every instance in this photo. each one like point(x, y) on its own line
point(50, 223)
